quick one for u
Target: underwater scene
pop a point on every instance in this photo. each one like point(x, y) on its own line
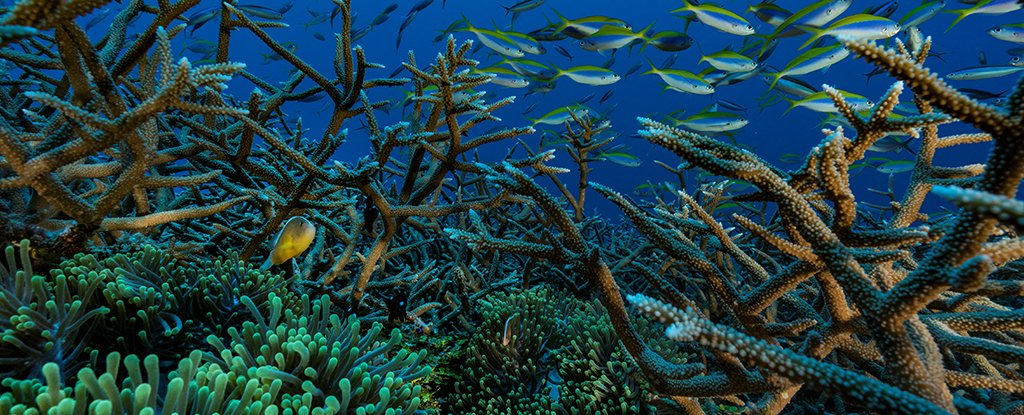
point(383, 207)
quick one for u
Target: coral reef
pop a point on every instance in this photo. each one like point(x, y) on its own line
point(142, 194)
point(297, 357)
point(536, 351)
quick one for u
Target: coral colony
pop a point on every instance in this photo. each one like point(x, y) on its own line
point(173, 248)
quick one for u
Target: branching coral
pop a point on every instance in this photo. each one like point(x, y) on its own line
point(133, 153)
point(842, 300)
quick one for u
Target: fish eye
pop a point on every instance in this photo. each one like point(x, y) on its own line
point(828, 12)
point(996, 29)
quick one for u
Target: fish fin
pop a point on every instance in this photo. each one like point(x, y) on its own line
point(563, 22)
point(775, 79)
point(266, 264)
point(686, 7)
point(963, 13)
point(816, 33)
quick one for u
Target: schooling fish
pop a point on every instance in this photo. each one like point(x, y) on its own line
point(861, 26)
point(729, 61)
point(589, 75)
point(983, 72)
point(612, 37)
point(827, 13)
point(984, 7)
point(716, 121)
point(821, 102)
point(294, 238)
point(495, 41)
point(1008, 32)
point(812, 60)
point(718, 18)
point(586, 26)
point(522, 6)
point(561, 115)
point(885, 9)
point(922, 13)
point(670, 41)
point(682, 81)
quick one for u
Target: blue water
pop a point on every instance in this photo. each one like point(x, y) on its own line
point(769, 133)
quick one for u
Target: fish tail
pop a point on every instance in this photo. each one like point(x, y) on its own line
point(266, 264)
point(563, 22)
point(792, 104)
point(775, 79)
point(653, 68)
point(962, 13)
point(816, 33)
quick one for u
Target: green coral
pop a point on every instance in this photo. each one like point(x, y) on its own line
point(307, 362)
point(262, 346)
point(319, 360)
point(161, 305)
point(41, 319)
point(537, 351)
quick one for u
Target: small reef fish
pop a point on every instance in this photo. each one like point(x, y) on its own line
point(295, 237)
point(861, 26)
point(923, 13)
point(984, 7)
point(531, 69)
point(589, 75)
point(561, 115)
point(886, 9)
point(525, 43)
point(830, 11)
point(983, 72)
point(791, 86)
point(774, 15)
point(612, 37)
point(505, 77)
point(1008, 32)
point(586, 26)
point(729, 61)
point(523, 6)
point(682, 81)
point(812, 60)
point(714, 121)
point(815, 15)
point(670, 41)
point(261, 11)
point(495, 41)
point(200, 18)
point(718, 18)
point(821, 102)
point(891, 144)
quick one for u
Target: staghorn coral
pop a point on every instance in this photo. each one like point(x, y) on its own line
point(841, 301)
point(803, 288)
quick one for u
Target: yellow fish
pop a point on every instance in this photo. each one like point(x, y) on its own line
point(296, 235)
